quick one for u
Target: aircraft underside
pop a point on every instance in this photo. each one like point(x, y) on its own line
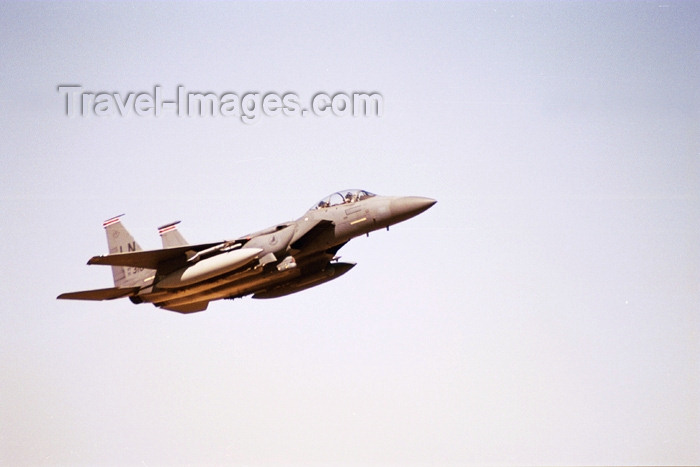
point(261, 281)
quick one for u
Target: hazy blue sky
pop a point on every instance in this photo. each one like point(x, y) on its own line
point(545, 311)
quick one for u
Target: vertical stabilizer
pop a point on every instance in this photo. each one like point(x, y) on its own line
point(119, 240)
point(170, 236)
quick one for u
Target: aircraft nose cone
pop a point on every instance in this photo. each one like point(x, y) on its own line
point(410, 206)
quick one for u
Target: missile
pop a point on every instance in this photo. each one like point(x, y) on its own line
point(207, 268)
point(332, 271)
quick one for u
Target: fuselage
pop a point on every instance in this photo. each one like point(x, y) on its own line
point(341, 217)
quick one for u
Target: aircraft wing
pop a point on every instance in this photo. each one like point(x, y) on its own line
point(100, 294)
point(150, 259)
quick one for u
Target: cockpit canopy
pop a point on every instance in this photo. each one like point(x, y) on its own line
point(343, 197)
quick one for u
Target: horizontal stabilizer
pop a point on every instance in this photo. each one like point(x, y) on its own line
point(99, 294)
point(150, 259)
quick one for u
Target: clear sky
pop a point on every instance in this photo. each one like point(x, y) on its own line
point(545, 311)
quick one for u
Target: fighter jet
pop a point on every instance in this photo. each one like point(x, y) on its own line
point(280, 260)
